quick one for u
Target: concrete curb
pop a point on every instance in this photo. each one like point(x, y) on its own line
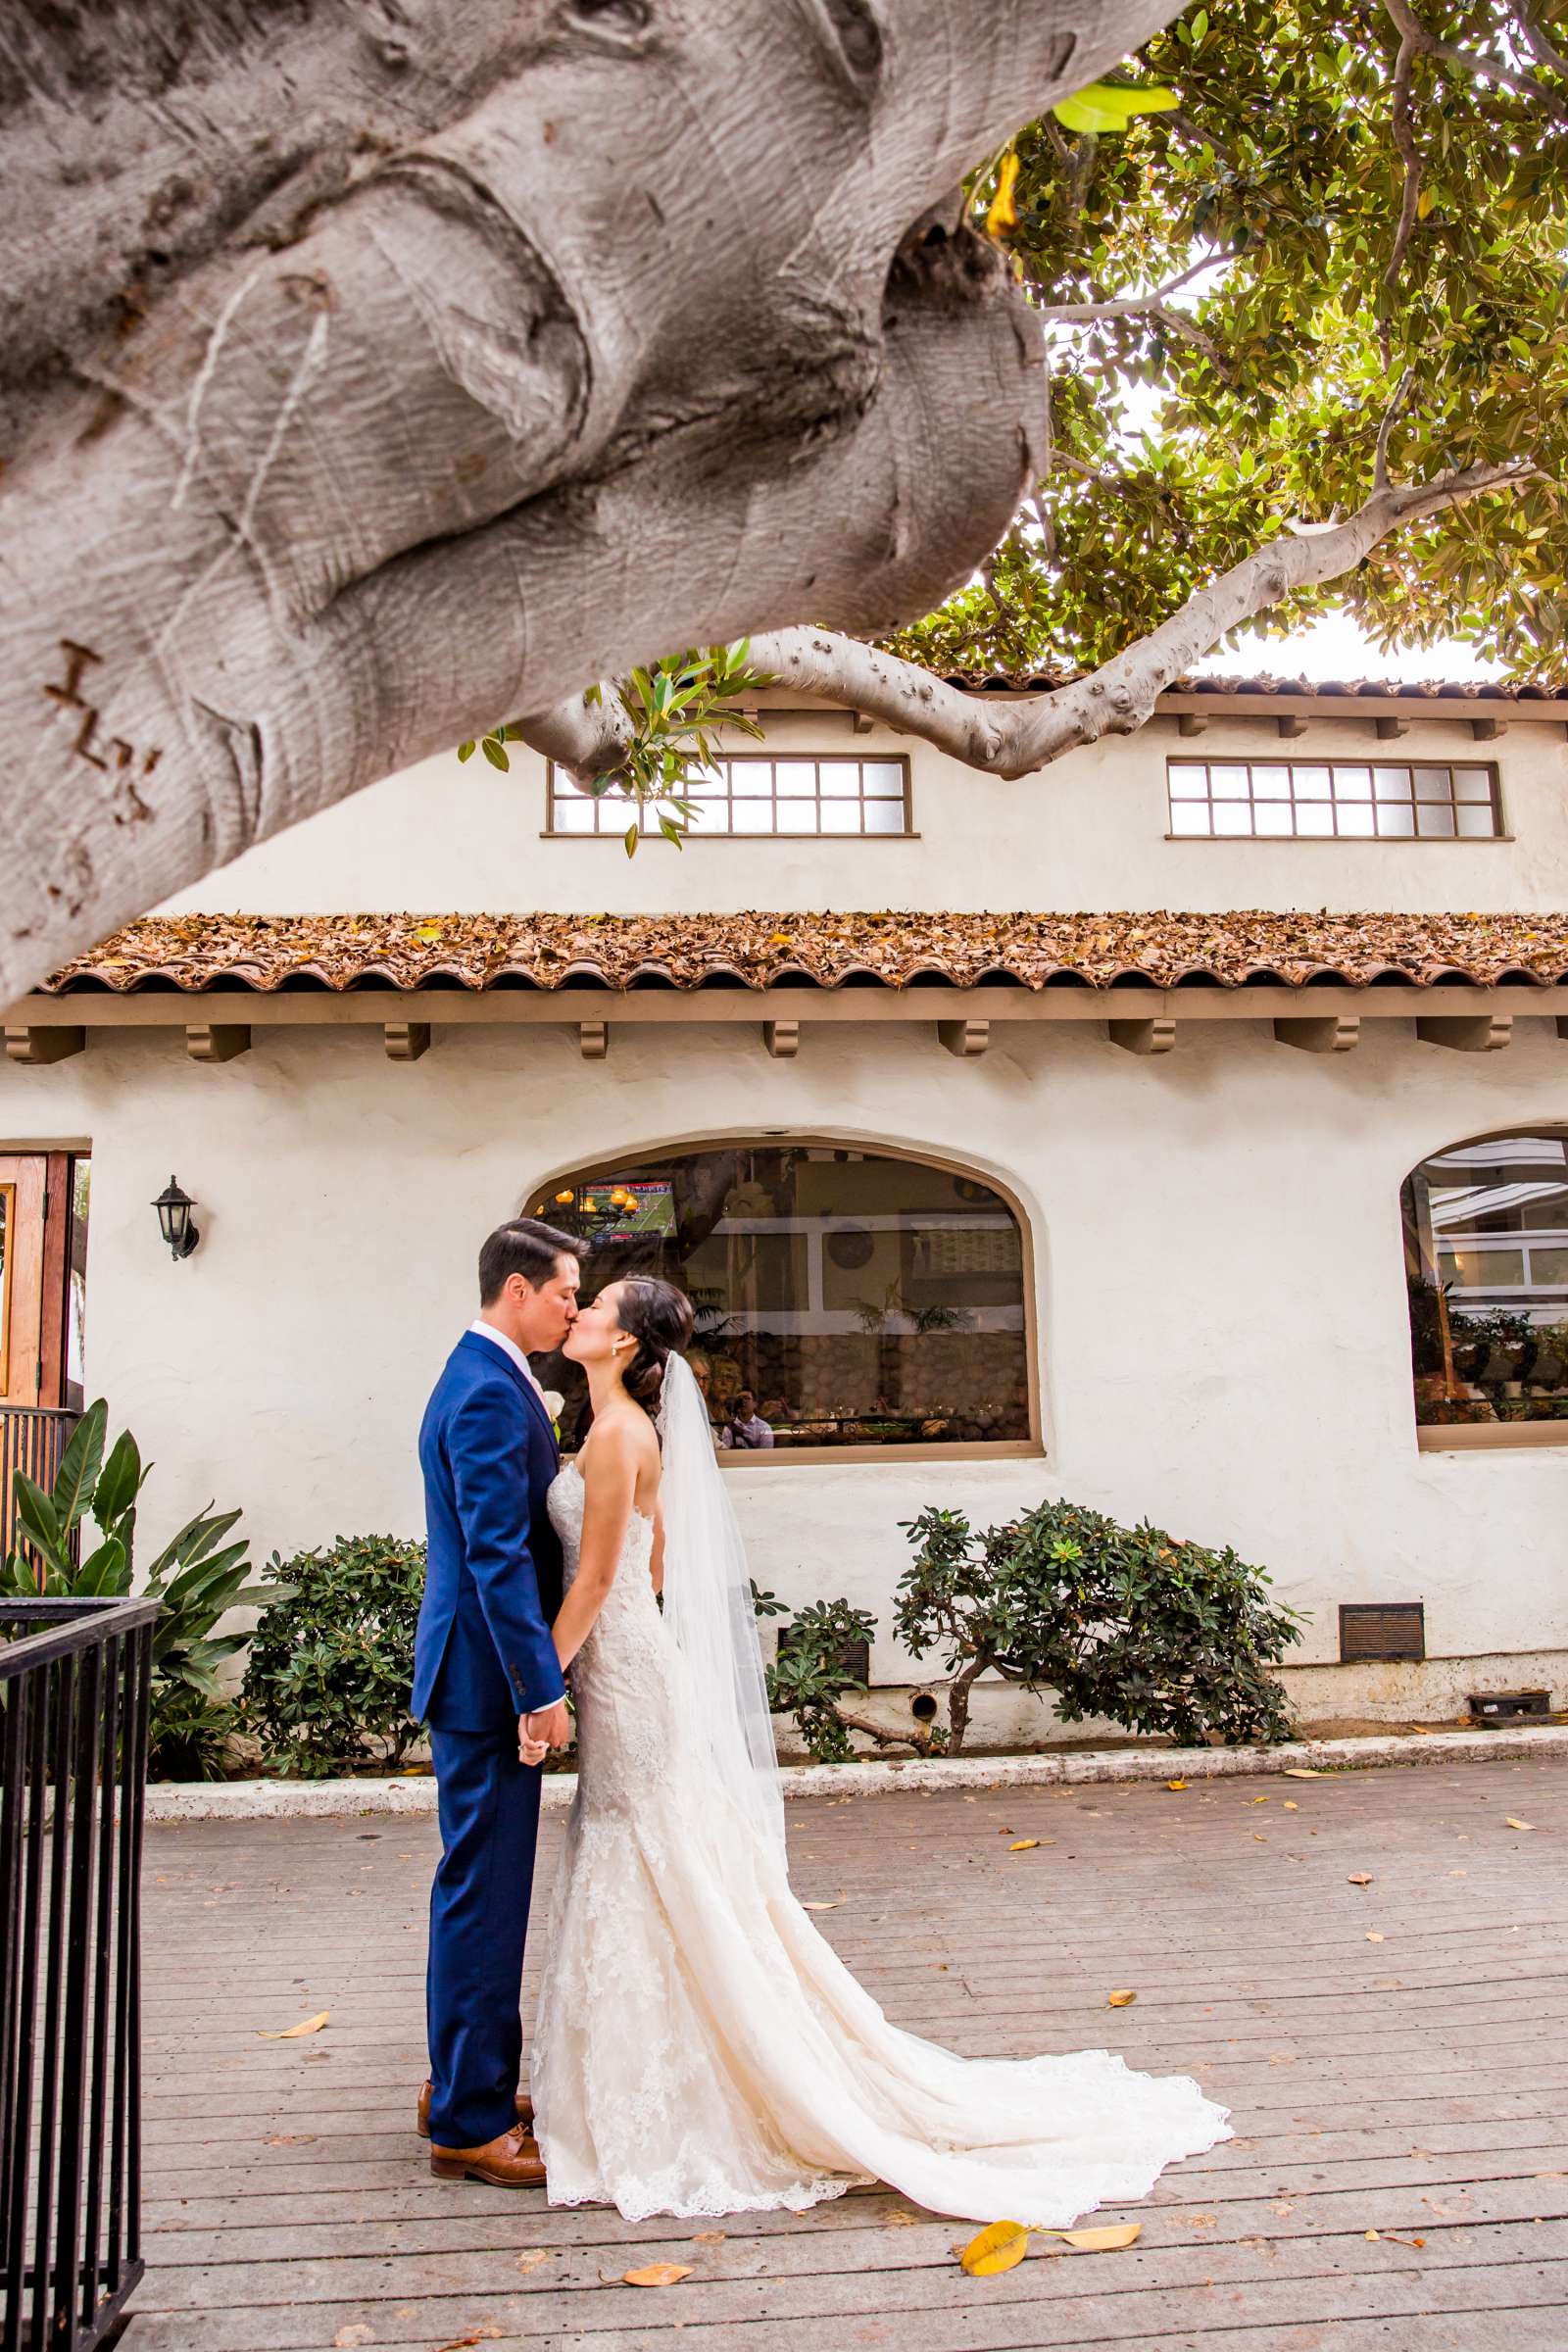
point(317, 1800)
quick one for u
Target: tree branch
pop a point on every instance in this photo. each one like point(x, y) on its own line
point(917, 1740)
point(586, 739)
point(1134, 306)
point(1403, 118)
point(1391, 417)
point(1541, 48)
point(1018, 738)
point(1469, 60)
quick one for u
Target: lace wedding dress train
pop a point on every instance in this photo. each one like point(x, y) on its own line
point(701, 2049)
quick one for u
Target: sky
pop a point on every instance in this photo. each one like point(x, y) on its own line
point(1334, 647)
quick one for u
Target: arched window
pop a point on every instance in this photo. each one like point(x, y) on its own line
point(1486, 1233)
point(844, 1298)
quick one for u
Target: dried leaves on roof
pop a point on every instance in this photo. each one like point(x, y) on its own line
point(1269, 686)
point(196, 952)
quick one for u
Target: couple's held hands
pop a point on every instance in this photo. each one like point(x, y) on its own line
point(546, 1728)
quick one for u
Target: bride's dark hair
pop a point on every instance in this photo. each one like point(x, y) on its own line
point(660, 1318)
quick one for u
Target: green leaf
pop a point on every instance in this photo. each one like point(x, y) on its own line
point(119, 1482)
point(629, 841)
point(496, 754)
point(104, 1571)
point(79, 1465)
point(194, 1541)
point(1107, 107)
point(40, 1519)
point(465, 750)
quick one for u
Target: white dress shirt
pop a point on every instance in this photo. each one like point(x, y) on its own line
point(488, 1331)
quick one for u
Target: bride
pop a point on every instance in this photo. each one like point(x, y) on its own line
point(699, 2048)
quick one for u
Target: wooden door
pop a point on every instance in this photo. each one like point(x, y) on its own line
point(34, 1235)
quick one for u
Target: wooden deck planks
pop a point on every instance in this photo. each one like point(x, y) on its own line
point(1416, 2085)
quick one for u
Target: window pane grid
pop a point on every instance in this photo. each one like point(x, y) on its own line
point(1332, 800)
point(792, 794)
point(843, 1297)
point(1485, 1232)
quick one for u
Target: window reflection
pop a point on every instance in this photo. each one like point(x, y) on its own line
point(1486, 1230)
point(860, 1300)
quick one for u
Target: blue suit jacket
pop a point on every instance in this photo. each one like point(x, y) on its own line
point(482, 1655)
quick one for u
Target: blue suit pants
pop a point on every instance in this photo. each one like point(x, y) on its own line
point(489, 1808)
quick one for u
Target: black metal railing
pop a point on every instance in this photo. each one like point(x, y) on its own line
point(32, 1438)
point(73, 1688)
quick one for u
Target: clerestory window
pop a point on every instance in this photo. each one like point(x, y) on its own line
point(1344, 800)
point(785, 793)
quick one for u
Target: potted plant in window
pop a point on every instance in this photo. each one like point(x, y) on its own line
point(1514, 1351)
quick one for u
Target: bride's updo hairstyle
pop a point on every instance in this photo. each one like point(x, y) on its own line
point(659, 1317)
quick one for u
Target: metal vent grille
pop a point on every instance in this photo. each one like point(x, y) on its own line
point(1384, 1629)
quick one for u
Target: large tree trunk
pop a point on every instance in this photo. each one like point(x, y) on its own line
point(374, 373)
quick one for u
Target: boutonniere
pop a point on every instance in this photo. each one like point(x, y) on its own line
point(553, 1398)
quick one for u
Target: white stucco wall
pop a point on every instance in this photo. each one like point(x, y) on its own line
point(1220, 1295)
point(1087, 833)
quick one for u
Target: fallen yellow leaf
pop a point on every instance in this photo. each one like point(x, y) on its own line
point(999, 2246)
point(355, 2332)
point(1101, 2242)
point(819, 1906)
point(1259, 1800)
point(1290, 1805)
point(307, 2024)
point(709, 2237)
point(1519, 1825)
point(1373, 1937)
point(1175, 1783)
point(1359, 1878)
point(658, 2273)
point(1120, 2001)
point(1371, 2235)
point(533, 2258)
point(1021, 1845)
point(1303, 1771)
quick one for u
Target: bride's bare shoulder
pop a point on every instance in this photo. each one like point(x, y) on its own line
point(620, 1438)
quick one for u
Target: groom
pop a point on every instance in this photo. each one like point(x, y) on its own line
point(488, 1683)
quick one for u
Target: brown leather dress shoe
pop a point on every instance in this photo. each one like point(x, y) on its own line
point(513, 2161)
point(426, 2090)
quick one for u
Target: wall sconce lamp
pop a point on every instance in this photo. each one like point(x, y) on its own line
point(173, 1208)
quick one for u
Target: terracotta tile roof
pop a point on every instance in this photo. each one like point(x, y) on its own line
point(201, 952)
point(1263, 683)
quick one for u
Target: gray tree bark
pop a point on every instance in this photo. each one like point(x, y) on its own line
point(373, 372)
point(589, 739)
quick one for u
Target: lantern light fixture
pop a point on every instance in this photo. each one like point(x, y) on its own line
point(173, 1208)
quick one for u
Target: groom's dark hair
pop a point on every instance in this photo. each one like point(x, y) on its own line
point(525, 1247)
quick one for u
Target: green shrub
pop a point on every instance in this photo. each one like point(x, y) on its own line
point(326, 1685)
point(197, 1577)
point(812, 1670)
point(1131, 1624)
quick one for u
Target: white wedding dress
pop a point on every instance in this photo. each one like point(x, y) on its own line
point(701, 2049)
